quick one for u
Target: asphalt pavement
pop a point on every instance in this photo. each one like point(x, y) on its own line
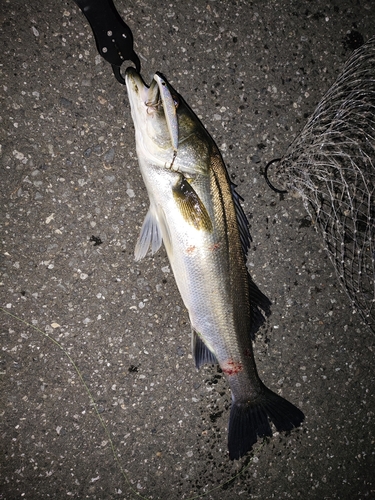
point(99, 395)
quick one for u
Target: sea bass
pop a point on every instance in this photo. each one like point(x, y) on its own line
point(195, 210)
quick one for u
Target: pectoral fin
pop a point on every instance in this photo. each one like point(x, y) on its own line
point(201, 353)
point(191, 206)
point(150, 235)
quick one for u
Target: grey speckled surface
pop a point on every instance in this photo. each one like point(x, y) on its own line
point(253, 72)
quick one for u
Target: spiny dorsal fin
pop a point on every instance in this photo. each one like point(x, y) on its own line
point(243, 224)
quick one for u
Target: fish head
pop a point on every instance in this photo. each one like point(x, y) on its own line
point(168, 133)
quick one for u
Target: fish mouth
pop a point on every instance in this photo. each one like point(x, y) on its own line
point(138, 90)
point(156, 98)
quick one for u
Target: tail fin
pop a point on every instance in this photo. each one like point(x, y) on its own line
point(250, 420)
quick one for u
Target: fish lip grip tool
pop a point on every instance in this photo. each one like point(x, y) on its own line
point(113, 37)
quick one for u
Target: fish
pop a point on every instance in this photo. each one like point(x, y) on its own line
point(196, 212)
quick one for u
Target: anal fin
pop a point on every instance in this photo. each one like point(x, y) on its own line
point(201, 353)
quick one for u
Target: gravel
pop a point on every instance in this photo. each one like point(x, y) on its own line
point(99, 395)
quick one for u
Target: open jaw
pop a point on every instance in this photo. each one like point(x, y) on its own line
point(154, 97)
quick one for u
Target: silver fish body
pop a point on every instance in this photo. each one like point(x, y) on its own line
point(196, 212)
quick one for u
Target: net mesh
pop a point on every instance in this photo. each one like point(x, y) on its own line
point(331, 164)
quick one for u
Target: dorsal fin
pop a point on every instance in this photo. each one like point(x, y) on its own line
point(243, 224)
point(258, 301)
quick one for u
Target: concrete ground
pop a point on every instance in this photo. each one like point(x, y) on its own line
point(99, 395)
